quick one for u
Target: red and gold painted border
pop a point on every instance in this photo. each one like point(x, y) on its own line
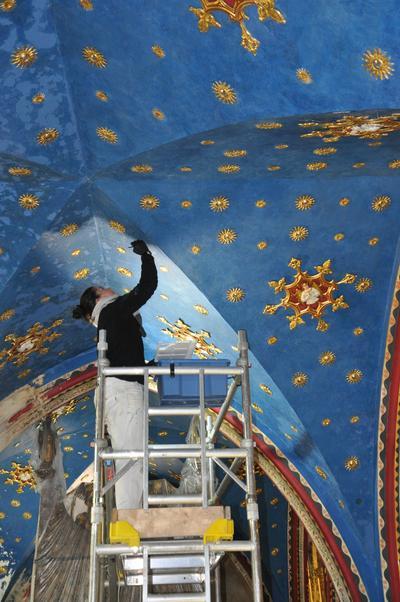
point(388, 455)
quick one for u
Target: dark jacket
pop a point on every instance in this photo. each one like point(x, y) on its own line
point(125, 345)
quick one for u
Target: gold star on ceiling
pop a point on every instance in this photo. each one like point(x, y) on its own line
point(24, 57)
point(235, 295)
point(19, 171)
point(304, 75)
point(29, 201)
point(378, 63)
point(224, 92)
point(149, 202)
point(94, 57)
point(304, 202)
point(182, 332)
point(107, 135)
point(47, 136)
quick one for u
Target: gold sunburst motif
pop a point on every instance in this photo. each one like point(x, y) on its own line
point(142, 168)
point(219, 204)
point(257, 408)
point(260, 204)
point(235, 153)
point(299, 379)
point(281, 146)
point(15, 503)
point(309, 294)
point(272, 340)
point(38, 98)
point(124, 272)
point(107, 135)
point(299, 233)
point(339, 236)
point(94, 57)
point(47, 136)
point(235, 11)
point(69, 229)
point(321, 472)
point(224, 92)
point(235, 295)
point(363, 284)
point(352, 463)
point(186, 204)
point(326, 422)
point(117, 226)
point(273, 167)
point(268, 125)
point(158, 114)
point(381, 202)
point(354, 376)
point(358, 165)
point(326, 358)
point(29, 201)
point(344, 202)
point(262, 245)
point(265, 388)
point(181, 331)
point(304, 202)
point(358, 331)
point(86, 4)
point(360, 126)
point(24, 57)
point(19, 171)
point(304, 75)
point(373, 241)
point(158, 51)
point(326, 150)
point(316, 166)
point(35, 270)
point(149, 202)
point(75, 252)
point(101, 95)
point(82, 274)
point(195, 249)
point(7, 315)
point(185, 169)
point(226, 236)
point(207, 142)
point(201, 309)
point(378, 63)
point(8, 5)
point(394, 164)
point(35, 340)
point(228, 168)
point(20, 475)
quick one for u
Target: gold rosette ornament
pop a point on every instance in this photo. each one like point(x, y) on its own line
point(235, 11)
point(309, 294)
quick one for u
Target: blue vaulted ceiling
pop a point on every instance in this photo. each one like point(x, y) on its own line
point(189, 117)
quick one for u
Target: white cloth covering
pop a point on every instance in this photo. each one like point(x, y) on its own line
point(123, 415)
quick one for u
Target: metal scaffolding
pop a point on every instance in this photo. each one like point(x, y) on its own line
point(146, 554)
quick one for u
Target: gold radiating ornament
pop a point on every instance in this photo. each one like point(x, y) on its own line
point(8, 5)
point(224, 92)
point(182, 332)
point(107, 135)
point(316, 166)
point(358, 331)
point(326, 150)
point(304, 202)
point(273, 167)
point(344, 202)
point(378, 63)
point(24, 57)
point(394, 164)
point(265, 389)
point(321, 472)
point(39, 98)
point(352, 463)
point(7, 315)
point(29, 201)
point(201, 309)
point(361, 126)
point(326, 358)
point(47, 136)
point(235, 153)
point(20, 475)
point(82, 274)
point(260, 203)
point(228, 168)
point(142, 168)
point(363, 284)
point(186, 204)
point(117, 226)
point(304, 75)
point(94, 57)
point(262, 245)
point(86, 4)
point(34, 341)
point(268, 125)
point(326, 422)
point(19, 171)
point(227, 236)
point(149, 202)
point(381, 202)
point(354, 376)
point(219, 204)
point(69, 229)
point(158, 114)
point(124, 272)
point(101, 95)
point(373, 241)
point(299, 233)
point(235, 294)
point(195, 249)
point(299, 379)
point(158, 51)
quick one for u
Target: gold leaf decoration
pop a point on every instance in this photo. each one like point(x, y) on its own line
point(47, 136)
point(29, 201)
point(326, 358)
point(354, 376)
point(224, 92)
point(304, 202)
point(94, 57)
point(257, 408)
point(69, 229)
point(142, 168)
point(373, 241)
point(26, 515)
point(344, 202)
point(304, 76)
point(86, 4)
point(226, 236)
point(381, 202)
point(101, 95)
point(107, 135)
point(228, 168)
point(181, 331)
point(316, 166)
point(260, 204)
point(321, 472)
point(7, 315)
point(281, 146)
point(201, 309)
point(149, 202)
point(378, 63)
point(299, 379)
point(235, 295)
point(326, 422)
point(39, 98)
point(352, 463)
point(358, 165)
point(158, 51)
point(24, 57)
point(265, 389)
point(120, 228)
point(326, 150)
point(358, 331)
point(262, 245)
point(186, 204)
point(82, 274)
point(158, 114)
point(185, 169)
point(394, 164)
point(268, 125)
point(299, 233)
point(124, 272)
point(272, 340)
point(363, 284)
point(195, 249)
point(8, 5)
point(339, 236)
point(20, 475)
point(75, 252)
point(235, 153)
point(19, 171)
point(361, 126)
point(207, 142)
point(219, 204)
point(273, 167)
point(354, 419)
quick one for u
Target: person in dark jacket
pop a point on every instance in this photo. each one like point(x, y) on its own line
point(123, 409)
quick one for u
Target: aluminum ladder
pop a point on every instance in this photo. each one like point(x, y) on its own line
point(150, 561)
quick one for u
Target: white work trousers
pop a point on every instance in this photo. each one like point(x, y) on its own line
point(123, 415)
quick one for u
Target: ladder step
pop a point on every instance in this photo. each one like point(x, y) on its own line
point(182, 578)
point(176, 597)
point(177, 561)
point(173, 500)
point(174, 411)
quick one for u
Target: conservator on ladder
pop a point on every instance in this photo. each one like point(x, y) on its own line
point(123, 409)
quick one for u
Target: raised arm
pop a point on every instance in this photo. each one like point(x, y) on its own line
point(148, 279)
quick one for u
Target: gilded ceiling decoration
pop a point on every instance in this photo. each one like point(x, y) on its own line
point(260, 203)
point(309, 295)
point(69, 229)
point(361, 126)
point(352, 463)
point(326, 358)
point(378, 63)
point(381, 202)
point(228, 168)
point(394, 164)
point(19, 171)
point(363, 285)
point(149, 202)
point(219, 204)
point(304, 202)
point(235, 294)
point(81, 274)
point(8, 5)
point(299, 379)
point(142, 168)
point(86, 4)
point(38, 98)
point(354, 376)
point(29, 201)
point(23, 476)
point(195, 249)
point(186, 204)
point(24, 57)
point(226, 236)
point(262, 245)
point(47, 136)
point(107, 135)
point(35, 340)
point(224, 92)
point(316, 166)
point(268, 125)
point(182, 332)
point(235, 10)
point(201, 309)
point(94, 57)
point(299, 233)
point(120, 228)
point(7, 315)
point(158, 51)
point(158, 114)
point(124, 272)
point(304, 76)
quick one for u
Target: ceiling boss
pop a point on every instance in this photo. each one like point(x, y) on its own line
point(309, 294)
point(235, 10)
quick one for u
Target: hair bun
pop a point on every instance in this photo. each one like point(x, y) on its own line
point(78, 312)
